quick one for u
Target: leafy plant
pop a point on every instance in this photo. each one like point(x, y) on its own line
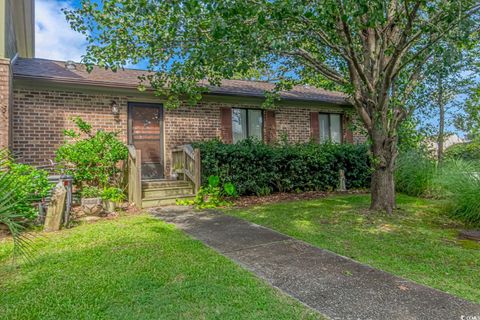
point(113, 194)
point(31, 185)
point(90, 192)
point(229, 189)
point(15, 202)
point(92, 158)
point(213, 181)
point(257, 168)
point(212, 195)
point(464, 151)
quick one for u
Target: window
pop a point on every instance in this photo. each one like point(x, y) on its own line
point(330, 127)
point(247, 123)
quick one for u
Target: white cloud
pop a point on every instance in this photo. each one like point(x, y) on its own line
point(53, 37)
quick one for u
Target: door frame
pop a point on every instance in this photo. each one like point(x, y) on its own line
point(131, 105)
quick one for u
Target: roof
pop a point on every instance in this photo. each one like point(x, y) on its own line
point(56, 71)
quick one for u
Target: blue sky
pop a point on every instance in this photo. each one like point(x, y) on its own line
point(53, 37)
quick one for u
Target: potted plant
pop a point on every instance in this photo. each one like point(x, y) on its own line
point(112, 198)
point(91, 201)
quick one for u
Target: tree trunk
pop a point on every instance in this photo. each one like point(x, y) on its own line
point(383, 185)
point(441, 126)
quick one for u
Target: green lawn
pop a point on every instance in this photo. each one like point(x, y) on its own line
point(417, 243)
point(135, 267)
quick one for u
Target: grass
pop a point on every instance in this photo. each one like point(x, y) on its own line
point(417, 243)
point(459, 180)
point(135, 267)
point(455, 180)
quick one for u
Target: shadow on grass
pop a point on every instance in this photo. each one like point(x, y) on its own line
point(419, 242)
point(135, 268)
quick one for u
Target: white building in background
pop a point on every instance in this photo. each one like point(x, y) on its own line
point(449, 141)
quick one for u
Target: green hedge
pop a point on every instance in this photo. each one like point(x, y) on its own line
point(464, 151)
point(257, 168)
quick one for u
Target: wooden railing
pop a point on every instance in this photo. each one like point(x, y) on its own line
point(134, 176)
point(187, 162)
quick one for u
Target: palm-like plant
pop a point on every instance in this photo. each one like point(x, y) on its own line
point(8, 202)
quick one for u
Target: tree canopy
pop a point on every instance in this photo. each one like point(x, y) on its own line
point(376, 51)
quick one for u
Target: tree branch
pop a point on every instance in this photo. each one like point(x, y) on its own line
point(353, 56)
point(320, 67)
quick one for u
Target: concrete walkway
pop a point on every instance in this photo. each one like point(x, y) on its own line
point(337, 287)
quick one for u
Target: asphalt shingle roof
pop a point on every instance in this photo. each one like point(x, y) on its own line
point(43, 69)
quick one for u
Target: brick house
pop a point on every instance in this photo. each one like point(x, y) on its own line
point(40, 97)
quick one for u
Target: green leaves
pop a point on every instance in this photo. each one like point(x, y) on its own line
point(113, 194)
point(188, 41)
point(376, 51)
point(92, 158)
point(212, 195)
point(20, 186)
point(229, 189)
point(213, 181)
point(90, 192)
point(256, 168)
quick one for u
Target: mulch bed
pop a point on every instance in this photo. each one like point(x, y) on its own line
point(247, 201)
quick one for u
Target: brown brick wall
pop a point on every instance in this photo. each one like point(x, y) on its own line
point(5, 95)
point(294, 122)
point(41, 115)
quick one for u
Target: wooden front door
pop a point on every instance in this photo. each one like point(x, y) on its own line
point(146, 134)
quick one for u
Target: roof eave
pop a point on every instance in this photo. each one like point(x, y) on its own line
point(116, 85)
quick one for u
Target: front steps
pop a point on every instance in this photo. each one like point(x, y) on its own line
point(157, 193)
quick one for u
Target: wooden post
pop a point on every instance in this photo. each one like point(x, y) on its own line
point(198, 170)
point(131, 182)
point(138, 191)
point(341, 181)
point(53, 220)
point(184, 163)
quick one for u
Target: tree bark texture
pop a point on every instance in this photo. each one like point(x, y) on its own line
point(382, 184)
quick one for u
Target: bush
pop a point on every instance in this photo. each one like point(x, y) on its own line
point(415, 173)
point(92, 158)
point(257, 168)
point(459, 182)
point(20, 186)
point(464, 151)
point(32, 186)
point(212, 195)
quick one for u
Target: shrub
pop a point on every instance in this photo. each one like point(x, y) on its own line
point(257, 168)
point(20, 187)
point(459, 182)
point(92, 158)
point(415, 173)
point(212, 195)
point(464, 151)
point(32, 186)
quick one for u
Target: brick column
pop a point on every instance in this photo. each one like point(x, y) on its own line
point(5, 103)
